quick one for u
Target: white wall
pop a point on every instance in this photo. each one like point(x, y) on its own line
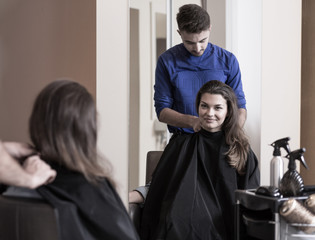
point(243, 38)
point(266, 38)
point(112, 86)
point(281, 75)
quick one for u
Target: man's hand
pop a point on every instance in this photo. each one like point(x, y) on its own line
point(32, 174)
point(18, 150)
point(40, 172)
point(196, 124)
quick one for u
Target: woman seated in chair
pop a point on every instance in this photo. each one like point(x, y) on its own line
point(63, 129)
point(191, 195)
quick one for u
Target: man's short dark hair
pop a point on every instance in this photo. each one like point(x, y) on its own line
point(192, 18)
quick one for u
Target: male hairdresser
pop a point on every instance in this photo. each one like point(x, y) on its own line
point(183, 69)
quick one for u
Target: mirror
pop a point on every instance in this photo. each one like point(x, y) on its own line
point(152, 31)
point(147, 42)
point(259, 36)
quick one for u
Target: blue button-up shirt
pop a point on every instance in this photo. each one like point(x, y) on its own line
point(179, 75)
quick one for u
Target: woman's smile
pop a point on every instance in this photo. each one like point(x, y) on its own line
point(212, 111)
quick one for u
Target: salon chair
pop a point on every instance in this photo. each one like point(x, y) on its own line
point(27, 219)
point(135, 210)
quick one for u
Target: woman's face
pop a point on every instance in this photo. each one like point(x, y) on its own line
point(212, 111)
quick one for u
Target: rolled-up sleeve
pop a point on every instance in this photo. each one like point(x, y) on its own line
point(143, 190)
point(163, 95)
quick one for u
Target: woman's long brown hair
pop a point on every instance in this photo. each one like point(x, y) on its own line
point(63, 129)
point(235, 137)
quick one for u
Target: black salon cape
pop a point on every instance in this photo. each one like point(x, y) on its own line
point(85, 211)
point(191, 196)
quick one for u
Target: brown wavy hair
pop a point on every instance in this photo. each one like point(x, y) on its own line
point(63, 129)
point(192, 18)
point(235, 137)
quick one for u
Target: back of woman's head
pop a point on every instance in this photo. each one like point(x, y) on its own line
point(234, 134)
point(63, 128)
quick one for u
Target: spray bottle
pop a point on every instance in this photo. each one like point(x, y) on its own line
point(292, 183)
point(276, 164)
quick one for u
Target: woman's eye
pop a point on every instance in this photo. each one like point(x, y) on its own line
point(203, 106)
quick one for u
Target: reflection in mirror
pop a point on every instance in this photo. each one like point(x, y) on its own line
point(150, 20)
point(147, 42)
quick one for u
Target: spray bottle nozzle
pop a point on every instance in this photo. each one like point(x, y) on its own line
point(283, 142)
point(296, 155)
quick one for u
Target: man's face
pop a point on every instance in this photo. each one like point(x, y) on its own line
point(195, 43)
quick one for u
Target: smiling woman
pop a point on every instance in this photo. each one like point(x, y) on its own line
point(199, 172)
point(212, 112)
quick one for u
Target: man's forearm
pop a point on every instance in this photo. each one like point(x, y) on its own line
point(176, 119)
point(11, 172)
point(33, 173)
